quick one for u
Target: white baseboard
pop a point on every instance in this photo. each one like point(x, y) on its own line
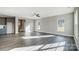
point(66, 35)
point(60, 34)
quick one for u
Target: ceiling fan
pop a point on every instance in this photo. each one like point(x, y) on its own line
point(36, 14)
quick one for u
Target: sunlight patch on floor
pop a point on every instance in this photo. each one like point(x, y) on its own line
point(31, 37)
point(48, 47)
point(54, 49)
point(54, 45)
point(30, 48)
point(60, 48)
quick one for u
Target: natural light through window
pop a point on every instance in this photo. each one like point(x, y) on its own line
point(60, 25)
point(28, 29)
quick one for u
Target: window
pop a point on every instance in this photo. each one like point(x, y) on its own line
point(60, 25)
point(38, 25)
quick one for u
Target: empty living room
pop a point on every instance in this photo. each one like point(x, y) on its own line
point(39, 29)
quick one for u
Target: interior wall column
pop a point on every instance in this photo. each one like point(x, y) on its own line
point(16, 25)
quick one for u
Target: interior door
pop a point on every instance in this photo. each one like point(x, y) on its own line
point(9, 27)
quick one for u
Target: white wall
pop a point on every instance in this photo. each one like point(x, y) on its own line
point(49, 24)
point(76, 26)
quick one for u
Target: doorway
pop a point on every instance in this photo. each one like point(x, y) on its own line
point(21, 27)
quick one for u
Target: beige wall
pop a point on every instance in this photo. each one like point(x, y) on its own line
point(49, 24)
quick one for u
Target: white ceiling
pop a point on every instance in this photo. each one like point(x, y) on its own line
point(28, 11)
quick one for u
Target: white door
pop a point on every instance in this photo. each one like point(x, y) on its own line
point(9, 27)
